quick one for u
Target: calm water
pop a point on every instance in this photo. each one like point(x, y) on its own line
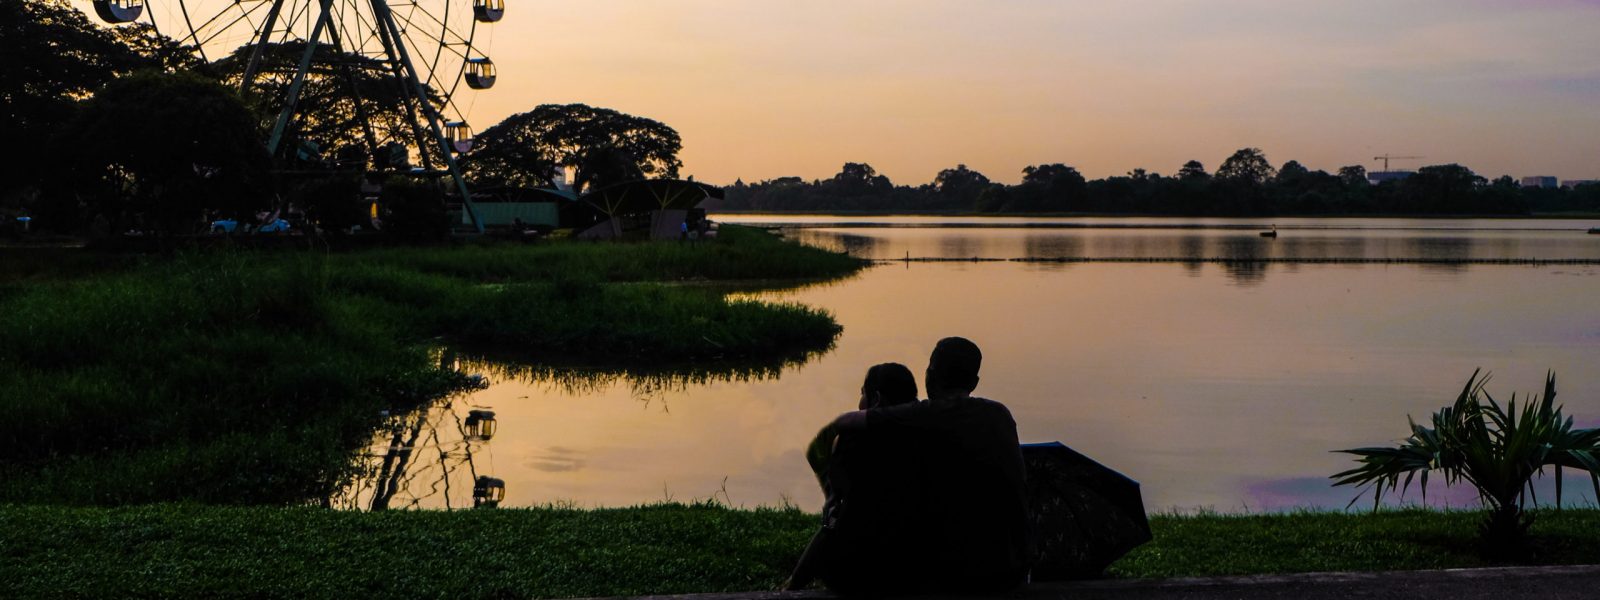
point(1215, 385)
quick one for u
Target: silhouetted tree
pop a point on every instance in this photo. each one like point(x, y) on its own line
point(527, 148)
point(959, 187)
point(1434, 190)
point(1193, 170)
point(1353, 175)
point(1247, 165)
point(162, 149)
point(859, 179)
point(1053, 187)
point(55, 56)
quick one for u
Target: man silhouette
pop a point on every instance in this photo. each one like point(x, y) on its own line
point(936, 499)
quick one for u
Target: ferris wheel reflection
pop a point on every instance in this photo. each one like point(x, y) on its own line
point(433, 457)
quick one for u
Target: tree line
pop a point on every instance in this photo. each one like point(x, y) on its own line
point(1245, 184)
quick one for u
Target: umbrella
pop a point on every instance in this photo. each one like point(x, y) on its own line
point(1085, 515)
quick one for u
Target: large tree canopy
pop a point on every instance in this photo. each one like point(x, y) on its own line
point(55, 57)
point(605, 147)
point(162, 148)
point(1248, 165)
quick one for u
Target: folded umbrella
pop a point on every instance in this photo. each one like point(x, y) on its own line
point(1085, 515)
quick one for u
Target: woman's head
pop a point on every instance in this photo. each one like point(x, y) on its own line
point(888, 384)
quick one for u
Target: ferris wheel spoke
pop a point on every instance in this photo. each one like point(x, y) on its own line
point(364, 42)
point(220, 31)
point(409, 26)
point(432, 73)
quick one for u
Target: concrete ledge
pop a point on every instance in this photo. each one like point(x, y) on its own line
point(1545, 583)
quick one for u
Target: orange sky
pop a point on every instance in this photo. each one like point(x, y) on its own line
point(762, 88)
point(768, 88)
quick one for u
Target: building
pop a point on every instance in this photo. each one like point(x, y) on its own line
point(1539, 181)
point(1572, 183)
point(1377, 177)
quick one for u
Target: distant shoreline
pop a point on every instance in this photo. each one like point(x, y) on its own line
point(1099, 215)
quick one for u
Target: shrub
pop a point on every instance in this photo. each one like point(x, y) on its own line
point(1494, 449)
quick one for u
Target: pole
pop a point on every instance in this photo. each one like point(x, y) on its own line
point(261, 47)
point(299, 81)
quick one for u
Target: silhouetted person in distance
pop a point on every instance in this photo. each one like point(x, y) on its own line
point(932, 493)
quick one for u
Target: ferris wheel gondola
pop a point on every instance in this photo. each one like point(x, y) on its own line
point(426, 49)
point(460, 136)
point(480, 73)
point(489, 11)
point(119, 11)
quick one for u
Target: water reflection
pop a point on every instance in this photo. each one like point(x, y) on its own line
point(1207, 393)
point(428, 458)
point(646, 384)
point(1443, 247)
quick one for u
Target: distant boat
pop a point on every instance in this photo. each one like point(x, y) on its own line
point(1594, 230)
point(1274, 232)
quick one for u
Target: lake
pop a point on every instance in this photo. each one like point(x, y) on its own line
point(1219, 379)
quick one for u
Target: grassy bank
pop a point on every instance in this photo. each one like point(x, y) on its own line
point(235, 377)
point(208, 551)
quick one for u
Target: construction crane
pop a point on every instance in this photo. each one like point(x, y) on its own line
point(1386, 158)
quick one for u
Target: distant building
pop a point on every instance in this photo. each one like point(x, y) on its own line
point(1572, 183)
point(1539, 181)
point(1377, 177)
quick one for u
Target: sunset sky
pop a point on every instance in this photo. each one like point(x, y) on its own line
point(767, 88)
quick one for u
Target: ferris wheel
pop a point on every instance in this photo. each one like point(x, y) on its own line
point(431, 55)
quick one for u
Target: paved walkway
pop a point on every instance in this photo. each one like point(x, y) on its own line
point(1543, 583)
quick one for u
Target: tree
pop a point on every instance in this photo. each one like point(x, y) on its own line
point(856, 179)
point(1053, 187)
point(161, 149)
point(959, 187)
point(1292, 172)
point(1247, 165)
point(1354, 175)
point(56, 57)
point(1193, 171)
point(1438, 189)
point(528, 148)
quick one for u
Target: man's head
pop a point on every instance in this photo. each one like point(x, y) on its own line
point(953, 368)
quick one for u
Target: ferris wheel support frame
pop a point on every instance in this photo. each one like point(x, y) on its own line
point(396, 48)
point(299, 78)
point(261, 46)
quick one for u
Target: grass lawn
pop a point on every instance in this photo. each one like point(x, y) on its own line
point(194, 550)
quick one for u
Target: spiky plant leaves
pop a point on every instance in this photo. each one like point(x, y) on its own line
point(1496, 449)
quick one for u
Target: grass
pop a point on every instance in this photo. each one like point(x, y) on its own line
point(1309, 541)
point(249, 377)
point(192, 550)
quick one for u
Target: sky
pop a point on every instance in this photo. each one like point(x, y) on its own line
point(768, 88)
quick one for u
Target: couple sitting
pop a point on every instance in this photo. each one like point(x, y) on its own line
point(921, 496)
